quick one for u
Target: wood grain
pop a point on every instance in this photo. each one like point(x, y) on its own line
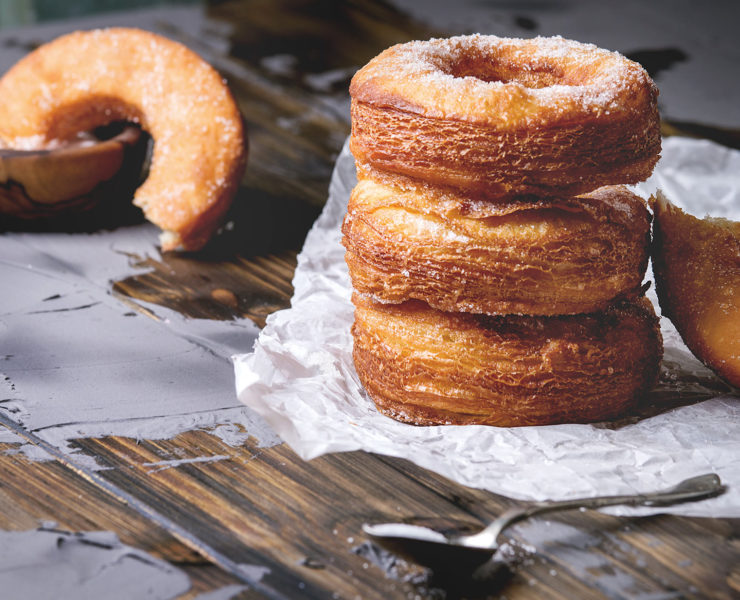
point(302, 520)
point(238, 287)
point(32, 493)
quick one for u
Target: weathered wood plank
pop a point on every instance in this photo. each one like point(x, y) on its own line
point(34, 492)
point(247, 508)
point(264, 505)
point(236, 288)
point(692, 556)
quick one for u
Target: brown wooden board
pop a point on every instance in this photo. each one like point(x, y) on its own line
point(301, 520)
point(47, 494)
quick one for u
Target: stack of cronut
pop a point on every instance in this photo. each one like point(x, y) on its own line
point(496, 258)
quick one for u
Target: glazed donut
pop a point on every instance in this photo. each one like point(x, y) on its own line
point(88, 79)
point(427, 367)
point(540, 257)
point(696, 264)
point(496, 116)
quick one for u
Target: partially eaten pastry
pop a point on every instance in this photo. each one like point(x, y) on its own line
point(89, 79)
point(696, 263)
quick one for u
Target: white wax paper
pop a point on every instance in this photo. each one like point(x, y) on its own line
point(301, 379)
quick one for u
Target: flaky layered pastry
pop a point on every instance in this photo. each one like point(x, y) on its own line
point(496, 116)
point(537, 256)
point(88, 79)
point(425, 367)
point(696, 264)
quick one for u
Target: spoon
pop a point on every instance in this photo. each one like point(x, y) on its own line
point(442, 552)
point(71, 177)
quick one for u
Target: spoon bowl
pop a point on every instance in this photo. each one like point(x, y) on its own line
point(427, 547)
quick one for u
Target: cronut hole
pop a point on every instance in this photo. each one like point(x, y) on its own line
point(100, 118)
point(89, 113)
point(488, 70)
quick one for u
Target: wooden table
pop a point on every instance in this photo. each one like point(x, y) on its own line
point(263, 505)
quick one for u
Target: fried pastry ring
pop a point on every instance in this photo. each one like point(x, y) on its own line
point(88, 79)
point(696, 263)
point(496, 116)
point(545, 256)
point(427, 367)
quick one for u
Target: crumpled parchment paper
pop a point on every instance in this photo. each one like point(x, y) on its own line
point(301, 379)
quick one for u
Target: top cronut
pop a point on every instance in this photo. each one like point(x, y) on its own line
point(504, 81)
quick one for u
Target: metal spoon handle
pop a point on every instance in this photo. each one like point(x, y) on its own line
point(694, 488)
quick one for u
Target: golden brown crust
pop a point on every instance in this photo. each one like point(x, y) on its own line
point(696, 264)
point(426, 367)
point(131, 75)
point(538, 257)
point(500, 117)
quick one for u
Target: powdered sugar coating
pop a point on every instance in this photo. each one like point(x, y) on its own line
point(507, 82)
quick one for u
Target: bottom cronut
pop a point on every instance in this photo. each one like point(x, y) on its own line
point(427, 367)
